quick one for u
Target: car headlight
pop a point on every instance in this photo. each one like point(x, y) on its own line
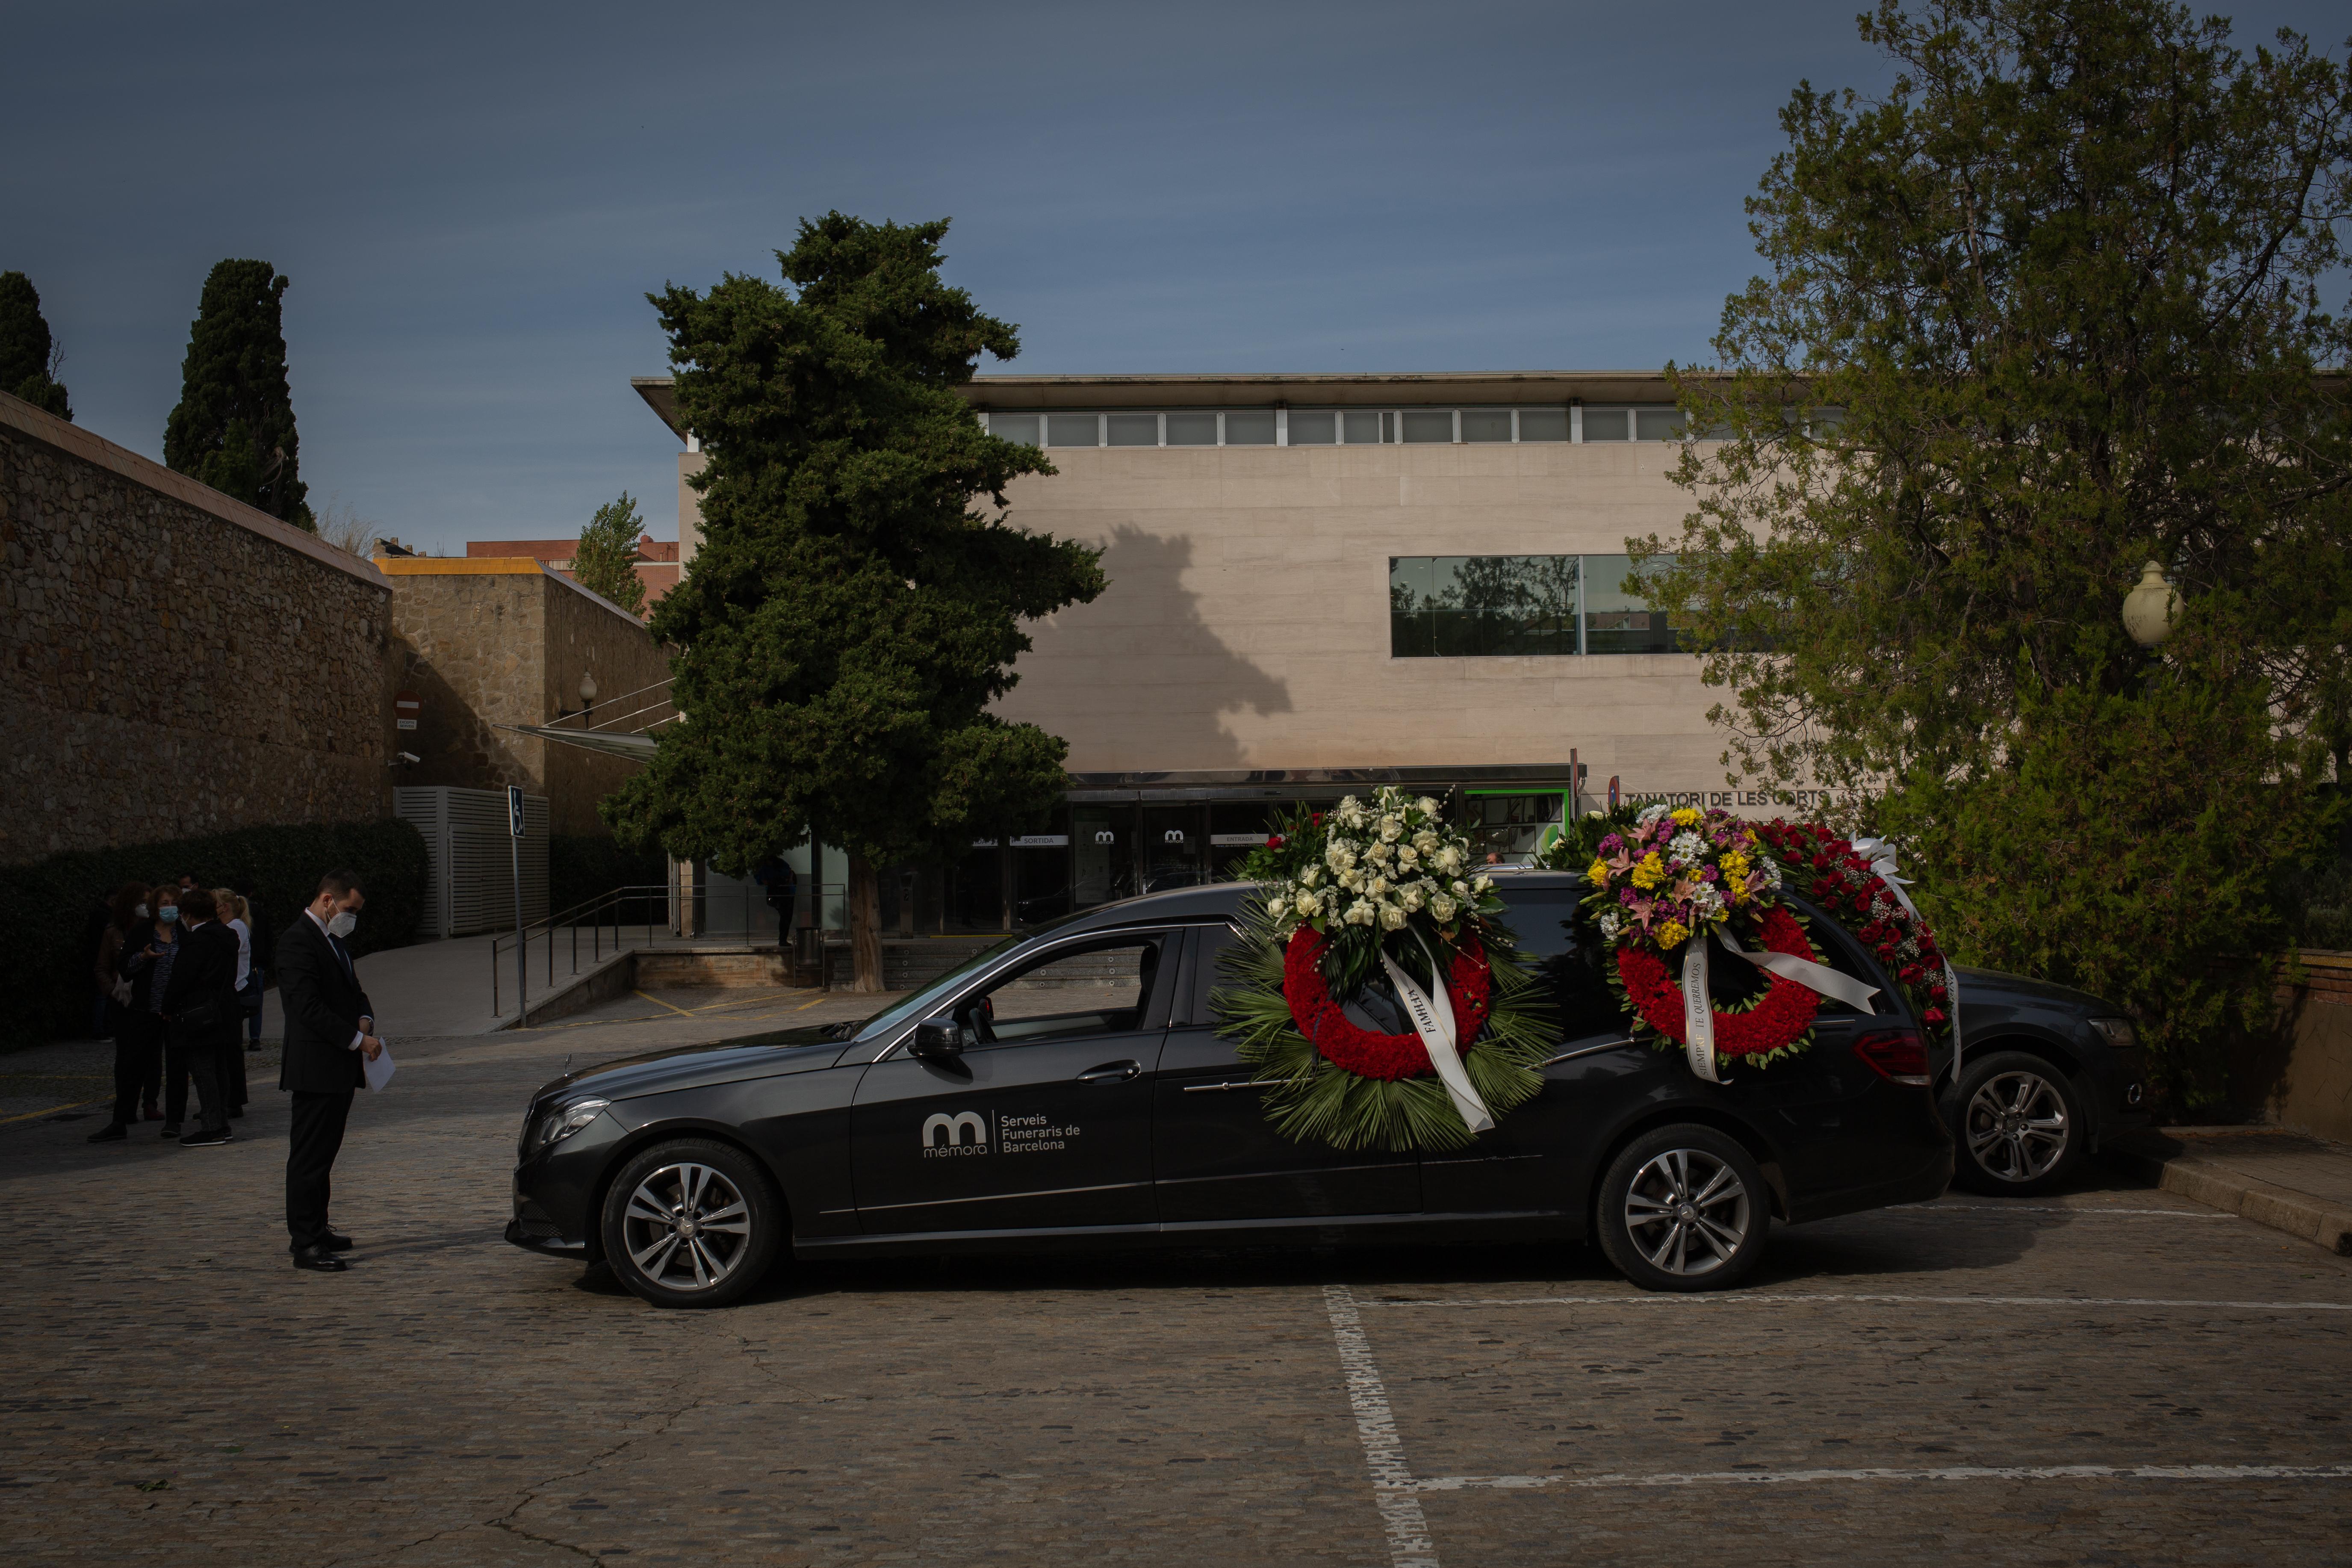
point(2117, 1032)
point(559, 1122)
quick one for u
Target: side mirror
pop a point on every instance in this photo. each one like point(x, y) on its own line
point(938, 1040)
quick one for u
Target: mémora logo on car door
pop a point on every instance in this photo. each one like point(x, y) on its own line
point(945, 1136)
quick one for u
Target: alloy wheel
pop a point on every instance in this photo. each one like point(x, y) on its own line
point(687, 1226)
point(2017, 1126)
point(1687, 1212)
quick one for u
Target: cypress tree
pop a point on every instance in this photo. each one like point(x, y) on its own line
point(233, 427)
point(604, 561)
point(856, 604)
point(28, 358)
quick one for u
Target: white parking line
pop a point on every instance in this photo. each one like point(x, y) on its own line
point(1735, 1298)
point(1393, 1482)
point(1942, 1473)
point(2054, 1208)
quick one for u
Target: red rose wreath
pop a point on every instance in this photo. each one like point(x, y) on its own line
point(1354, 1049)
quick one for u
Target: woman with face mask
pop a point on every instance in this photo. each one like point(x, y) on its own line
point(132, 1047)
point(149, 947)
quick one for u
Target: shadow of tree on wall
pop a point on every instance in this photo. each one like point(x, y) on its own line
point(1180, 684)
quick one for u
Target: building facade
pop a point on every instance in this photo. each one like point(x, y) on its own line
point(1319, 584)
point(485, 647)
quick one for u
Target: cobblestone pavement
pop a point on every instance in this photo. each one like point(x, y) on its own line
point(2108, 1376)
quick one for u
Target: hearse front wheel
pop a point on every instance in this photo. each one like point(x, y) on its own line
point(692, 1222)
point(1684, 1208)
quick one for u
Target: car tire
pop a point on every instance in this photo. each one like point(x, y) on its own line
point(692, 1222)
point(1684, 1208)
point(2017, 1125)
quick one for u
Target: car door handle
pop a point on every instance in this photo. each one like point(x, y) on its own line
point(1111, 1072)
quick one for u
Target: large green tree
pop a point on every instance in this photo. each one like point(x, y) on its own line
point(857, 600)
point(605, 559)
point(2046, 309)
point(234, 427)
point(28, 357)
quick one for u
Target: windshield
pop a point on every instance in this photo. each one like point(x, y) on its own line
point(919, 1005)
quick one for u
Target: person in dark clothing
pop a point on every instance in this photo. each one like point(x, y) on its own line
point(263, 964)
point(329, 1028)
point(150, 951)
point(133, 1040)
point(200, 1010)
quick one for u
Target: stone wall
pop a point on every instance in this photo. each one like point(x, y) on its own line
point(173, 662)
point(488, 641)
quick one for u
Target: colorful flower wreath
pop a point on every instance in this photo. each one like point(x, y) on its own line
point(1673, 877)
point(1345, 895)
point(1842, 883)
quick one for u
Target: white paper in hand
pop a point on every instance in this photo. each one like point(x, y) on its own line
point(379, 1071)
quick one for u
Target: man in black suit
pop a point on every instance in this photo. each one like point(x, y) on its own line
point(328, 1028)
point(200, 1010)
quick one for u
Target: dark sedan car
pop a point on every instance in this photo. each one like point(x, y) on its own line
point(1069, 1089)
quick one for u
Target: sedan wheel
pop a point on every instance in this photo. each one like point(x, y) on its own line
point(1684, 1208)
point(691, 1223)
point(2018, 1128)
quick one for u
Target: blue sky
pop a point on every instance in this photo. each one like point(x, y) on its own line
point(472, 201)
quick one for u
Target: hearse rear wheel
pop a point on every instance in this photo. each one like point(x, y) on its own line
point(1684, 1208)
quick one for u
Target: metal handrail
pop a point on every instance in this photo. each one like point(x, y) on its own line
point(586, 912)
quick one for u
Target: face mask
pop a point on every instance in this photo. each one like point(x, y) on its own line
point(168, 913)
point(344, 924)
point(139, 910)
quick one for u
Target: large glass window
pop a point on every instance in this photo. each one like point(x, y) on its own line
point(1073, 430)
point(1021, 427)
point(1428, 425)
point(1498, 607)
point(1617, 617)
point(1482, 606)
point(1366, 429)
point(1485, 425)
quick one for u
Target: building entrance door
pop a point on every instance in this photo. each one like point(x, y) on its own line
point(1102, 854)
point(1174, 846)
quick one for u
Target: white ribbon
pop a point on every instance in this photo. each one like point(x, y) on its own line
point(1432, 1020)
point(1881, 856)
point(1698, 1013)
point(1698, 1008)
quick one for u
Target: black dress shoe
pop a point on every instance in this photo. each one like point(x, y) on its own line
point(320, 1259)
point(202, 1139)
point(111, 1133)
point(336, 1242)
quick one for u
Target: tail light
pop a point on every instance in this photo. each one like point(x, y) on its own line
point(1897, 1054)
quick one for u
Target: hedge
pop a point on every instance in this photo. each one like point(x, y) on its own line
point(45, 907)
